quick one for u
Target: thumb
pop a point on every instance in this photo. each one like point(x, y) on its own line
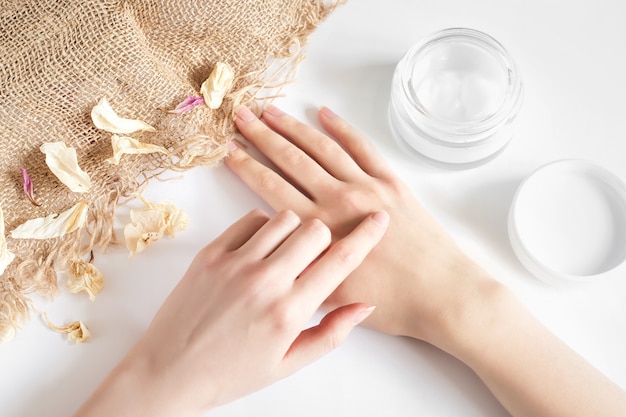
point(316, 341)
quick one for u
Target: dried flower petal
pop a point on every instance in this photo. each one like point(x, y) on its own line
point(6, 256)
point(76, 330)
point(217, 85)
point(105, 118)
point(53, 225)
point(63, 163)
point(127, 145)
point(84, 276)
point(175, 219)
point(148, 225)
point(145, 229)
point(28, 187)
point(186, 105)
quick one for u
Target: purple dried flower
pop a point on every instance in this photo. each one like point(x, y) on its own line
point(186, 105)
point(28, 187)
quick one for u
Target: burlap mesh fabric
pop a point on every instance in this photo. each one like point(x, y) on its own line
point(59, 57)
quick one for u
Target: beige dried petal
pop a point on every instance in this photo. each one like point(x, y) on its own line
point(127, 145)
point(105, 118)
point(53, 225)
point(149, 224)
point(84, 276)
point(175, 219)
point(215, 87)
point(6, 256)
point(63, 163)
point(76, 330)
point(145, 229)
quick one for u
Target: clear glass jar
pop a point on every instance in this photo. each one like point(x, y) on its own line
point(455, 97)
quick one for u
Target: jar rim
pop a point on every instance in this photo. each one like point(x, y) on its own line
point(474, 130)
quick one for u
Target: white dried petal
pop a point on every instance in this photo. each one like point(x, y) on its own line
point(145, 229)
point(76, 330)
point(215, 87)
point(6, 256)
point(84, 276)
point(175, 219)
point(105, 118)
point(53, 225)
point(127, 145)
point(149, 224)
point(63, 163)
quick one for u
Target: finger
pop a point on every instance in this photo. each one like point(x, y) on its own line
point(301, 248)
point(266, 183)
point(293, 162)
point(322, 149)
point(315, 342)
point(240, 231)
point(319, 281)
point(355, 144)
point(271, 235)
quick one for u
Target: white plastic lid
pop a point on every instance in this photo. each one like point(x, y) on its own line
point(568, 221)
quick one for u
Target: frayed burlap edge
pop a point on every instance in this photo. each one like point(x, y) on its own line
point(34, 271)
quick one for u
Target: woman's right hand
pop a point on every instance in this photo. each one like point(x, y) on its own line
point(422, 284)
point(417, 276)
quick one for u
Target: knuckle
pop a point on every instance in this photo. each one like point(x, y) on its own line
point(352, 201)
point(287, 217)
point(284, 316)
point(344, 256)
point(267, 180)
point(258, 213)
point(327, 146)
point(294, 156)
point(318, 228)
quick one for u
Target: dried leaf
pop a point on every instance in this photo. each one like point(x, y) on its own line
point(28, 187)
point(127, 145)
point(6, 256)
point(217, 85)
point(63, 163)
point(186, 105)
point(53, 225)
point(84, 276)
point(76, 330)
point(105, 118)
point(148, 225)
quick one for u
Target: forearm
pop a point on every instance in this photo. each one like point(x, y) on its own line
point(529, 370)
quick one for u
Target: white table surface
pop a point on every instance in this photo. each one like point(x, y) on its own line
point(573, 61)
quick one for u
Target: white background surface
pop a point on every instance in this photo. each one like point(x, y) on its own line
point(571, 55)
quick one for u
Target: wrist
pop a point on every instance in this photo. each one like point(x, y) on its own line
point(469, 302)
point(137, 386)
point(469, 323)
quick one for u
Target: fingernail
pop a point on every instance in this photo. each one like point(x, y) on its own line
point(381, 218)
point(232, 146)
point(362, 315)
point(244, 114)
point(273, 110)
point(327, 112)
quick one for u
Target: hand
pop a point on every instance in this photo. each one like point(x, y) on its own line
point(234, 323)
point(416, 276)
point(422, 284)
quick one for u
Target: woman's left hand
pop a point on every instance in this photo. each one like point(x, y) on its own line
point(234, 323)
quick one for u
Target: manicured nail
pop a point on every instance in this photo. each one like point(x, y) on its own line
point(327, 112)
point(362, 315)
point(232, 146)
point(273, 110)
point(244, 114)
point(381, 218)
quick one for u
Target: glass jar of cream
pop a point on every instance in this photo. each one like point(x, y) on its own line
point(455, 97)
